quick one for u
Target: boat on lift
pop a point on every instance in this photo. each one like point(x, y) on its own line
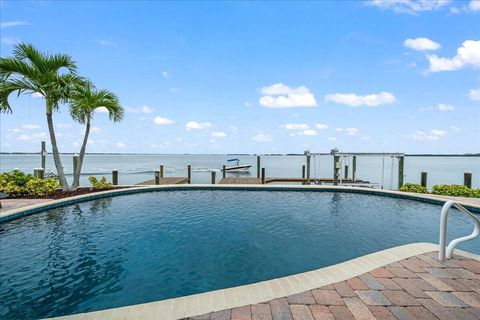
point(233, 165)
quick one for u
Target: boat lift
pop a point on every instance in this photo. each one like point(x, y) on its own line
point(343, 161)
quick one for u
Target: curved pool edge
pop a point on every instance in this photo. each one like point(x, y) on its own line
point(202, 303)
point(35, 208)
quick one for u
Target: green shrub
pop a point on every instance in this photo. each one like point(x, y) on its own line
point(455, 190)
point(475, 193)
point(413, 187)
point(18, 177)
point(101, 184)
point(19, 184)
point(41, 188)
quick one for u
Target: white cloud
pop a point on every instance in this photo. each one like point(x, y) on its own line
point(338, 129)
point(445, 107)
point(247, 104)
point(474, 5)
point(351, 131)
point(467, 55)
point(262, 137)
point(218, 134)
point(107, 43)
point(296, 126)
point(421, 44)
point(25, 137)
point(162, 121)
point(233, 127)
point(432, 135)
point(95, 129)
point(474, 94)
point(354, 100)
point(409, 6)
point(30, 126)
point(147, 109)
point(309, 132)
point(455, 128)
point(10, 24)
point(321, 126)
point(282, 96)
point(121, 145)
point(11, 40)
point(193, 125)
point(332, 139)
point(102, 110)
point(165, 74)
point(64, 125)
point(142, 109)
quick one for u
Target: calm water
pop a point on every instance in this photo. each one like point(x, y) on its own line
point(137, 168)
point(146, 247)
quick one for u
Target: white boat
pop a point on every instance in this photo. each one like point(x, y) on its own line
point(233, 165)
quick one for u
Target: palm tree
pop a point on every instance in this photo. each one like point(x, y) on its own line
point(85, 100)
point(51, 75)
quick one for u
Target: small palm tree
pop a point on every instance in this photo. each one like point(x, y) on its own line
point(51, 75)
point(85, 100)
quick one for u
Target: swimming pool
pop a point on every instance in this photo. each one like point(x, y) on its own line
point(145, 247)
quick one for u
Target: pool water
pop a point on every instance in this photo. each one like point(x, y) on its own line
point(151, 246)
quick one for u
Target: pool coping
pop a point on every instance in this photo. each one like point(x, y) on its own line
point(202, 303)
point(35, 208)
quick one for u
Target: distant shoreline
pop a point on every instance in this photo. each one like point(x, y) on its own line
point(237, 154)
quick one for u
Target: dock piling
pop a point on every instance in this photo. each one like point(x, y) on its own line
point(214, 174)
point(115, 177)
point(336, 169)
point(346, 171)
point(161, 171)
point(354, 168)
point(258, 166)
point(43, 155)
point(75, 163)
point(467, 179)
point(263, 175)
point(39, 173)
point(157, 177)
point(224, 171)
point(423, 179)
point(308, 169)
point(401, 165)
point(189, 174)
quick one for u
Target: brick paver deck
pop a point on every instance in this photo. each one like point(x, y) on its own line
point(420, 287)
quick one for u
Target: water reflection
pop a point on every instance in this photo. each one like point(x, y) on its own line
point(72, 266)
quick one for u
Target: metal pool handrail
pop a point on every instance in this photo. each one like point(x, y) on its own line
point(443, 230)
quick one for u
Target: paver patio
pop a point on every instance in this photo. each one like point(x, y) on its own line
point(419, 287)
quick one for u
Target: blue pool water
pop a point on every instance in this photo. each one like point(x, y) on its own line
point(144, 247)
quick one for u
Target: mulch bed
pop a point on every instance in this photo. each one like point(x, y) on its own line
point(60, 194)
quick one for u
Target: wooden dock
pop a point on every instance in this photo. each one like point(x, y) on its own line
point(169, 180)
point(288, 180)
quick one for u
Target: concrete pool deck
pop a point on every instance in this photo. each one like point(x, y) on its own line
point(405, 282)
point(11, 204)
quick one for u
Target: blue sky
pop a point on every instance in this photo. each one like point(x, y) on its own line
point(217, 77)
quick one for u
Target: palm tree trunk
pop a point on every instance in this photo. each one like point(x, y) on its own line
point(56, 155)
point(76, 174)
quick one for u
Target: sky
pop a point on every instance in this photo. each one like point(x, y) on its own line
point(258, 77)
